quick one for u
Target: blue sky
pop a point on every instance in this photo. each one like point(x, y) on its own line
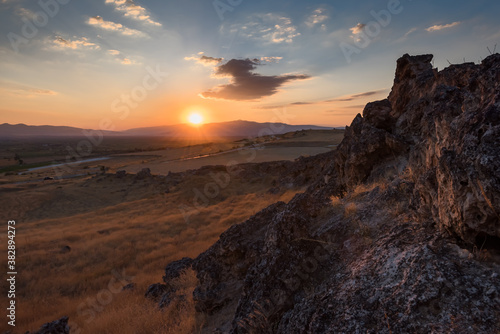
point(317, 62)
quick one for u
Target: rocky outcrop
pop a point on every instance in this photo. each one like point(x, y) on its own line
point(399, 232)
point(451, 121)
point(165, 293)
point(59, 326)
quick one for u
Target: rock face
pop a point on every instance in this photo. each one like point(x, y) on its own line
point(399, 232)
point(55, 327)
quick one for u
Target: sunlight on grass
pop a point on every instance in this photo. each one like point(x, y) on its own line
point(137, 237)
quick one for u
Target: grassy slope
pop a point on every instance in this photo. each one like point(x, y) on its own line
point(118, 224)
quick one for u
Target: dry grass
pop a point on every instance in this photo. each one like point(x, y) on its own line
point(136, 235)
point(364, 188)
point(350, 209)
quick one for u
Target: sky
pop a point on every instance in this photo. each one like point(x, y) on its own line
point(121, 64)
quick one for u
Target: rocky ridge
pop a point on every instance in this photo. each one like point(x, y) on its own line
point(399, 232)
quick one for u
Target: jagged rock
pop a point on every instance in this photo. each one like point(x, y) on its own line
point(398, 231)
point(174, 269)
point(164, 294)
point(452, 122)
point(59, 326)
point(156, 291)
point(166, 299)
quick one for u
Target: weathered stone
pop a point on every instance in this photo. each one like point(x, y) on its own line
point(59, 326)
point(174, 269)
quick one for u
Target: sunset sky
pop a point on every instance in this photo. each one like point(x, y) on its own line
point(146, 63)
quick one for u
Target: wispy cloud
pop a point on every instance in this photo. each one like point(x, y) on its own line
point(245, 84)
point(269, 28)
point(77, 44)
point(119, 57)
point(443, 26)
point(200, 58)
point(26, 13)
point(357, 29)
point(134, 11)
point(99, 22)
point(348, 98)
point(406, 35)
point(318, 16)
point(271, 59)
point(23, 91)
point(357, 96)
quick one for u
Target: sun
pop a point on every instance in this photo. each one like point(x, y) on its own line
point(195, 119)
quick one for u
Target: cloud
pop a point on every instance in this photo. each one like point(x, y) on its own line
point(316, 17)
point(343, 99)
point(357, 29)
point(24, 12)
point(134, 11)
point(405, 36)
point(99, 22)
point(444, 26)
point(357, 96)
point(78, 44)
point(245, 84)
point(284, 105)
point(204, 60)
point(271, 59)
point(120, 58)
point(23, 91)
point(270, 28)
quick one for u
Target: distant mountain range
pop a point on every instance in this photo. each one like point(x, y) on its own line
point(241, 129)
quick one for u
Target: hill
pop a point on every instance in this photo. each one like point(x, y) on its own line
point(234, 129)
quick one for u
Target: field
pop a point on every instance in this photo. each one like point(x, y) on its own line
point(81, 239)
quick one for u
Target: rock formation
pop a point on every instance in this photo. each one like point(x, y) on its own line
point(59, 326)
point(398, 233)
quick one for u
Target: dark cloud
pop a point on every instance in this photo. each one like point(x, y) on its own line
point(357, 96)
point(245, 84)
point(300, 103)
point(284, 105)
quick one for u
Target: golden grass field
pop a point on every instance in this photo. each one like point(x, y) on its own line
point(120, 231)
